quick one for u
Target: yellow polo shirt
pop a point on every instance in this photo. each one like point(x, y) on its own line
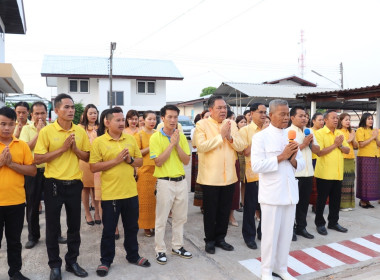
point(66, 166)
point(330, 166)
point(12, 191)
point(28, 132)
point(117, 182)
point(314, 156)
point(27, 123)
point(173, 166)
point(247, 133)
point(346, 134)
point(216, 156)
point(371, 150)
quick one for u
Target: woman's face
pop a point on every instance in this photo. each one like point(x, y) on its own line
point(92, 115)
point(133, 121)
point(242, 123)
point(318, 123)
point(141, 121)
point(266, 123)
point(369, 121)
point(346, 122)
point(207, 115)
point(150, 121)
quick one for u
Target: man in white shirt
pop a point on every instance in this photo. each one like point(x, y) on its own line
point(307, 144)
point(276, 160)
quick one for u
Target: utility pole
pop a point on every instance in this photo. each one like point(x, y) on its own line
point(341, 75)
point(112, 48)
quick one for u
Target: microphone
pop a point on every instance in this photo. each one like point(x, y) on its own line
point(291, 135)
point(307, 133)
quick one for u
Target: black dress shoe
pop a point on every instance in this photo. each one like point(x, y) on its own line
point(224, 245)
point(18, 276)
point(259, 235)
point(76, 269)
point(251, 244)
point(294, 238)
point(337, 227)
point(322, 230)
point(62, 240)
point(30, 244)
point(304, 233)
point(55, 274)
point(210, 247)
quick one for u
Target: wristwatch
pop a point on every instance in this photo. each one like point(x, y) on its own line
point(132, 161)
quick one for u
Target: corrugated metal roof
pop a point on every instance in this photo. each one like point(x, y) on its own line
point(98, 66)
point(265, 90)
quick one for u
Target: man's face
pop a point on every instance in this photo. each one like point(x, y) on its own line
point(280, 117)
point(170, 120)
point(7, 127)
point(248, 117)
point(66, 110)
point(116, 125)
point(259, 116)
point(39, 113)
point(300, 119)
point(219, 111)
point(22, 114)
point(331, 120)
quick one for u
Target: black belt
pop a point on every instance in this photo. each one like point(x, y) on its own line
point(41, 170)
point(175, 179)
point(67, 182)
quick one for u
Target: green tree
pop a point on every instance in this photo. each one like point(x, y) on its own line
point(208, 91)
point(79, 109)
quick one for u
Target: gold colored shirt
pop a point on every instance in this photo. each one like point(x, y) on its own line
point(346, 134)
point(370, 150)
point(329, 166)
point(314, 156)
point(247, 133)
point(216, 156)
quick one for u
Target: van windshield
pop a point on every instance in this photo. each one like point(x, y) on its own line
point(186, 123)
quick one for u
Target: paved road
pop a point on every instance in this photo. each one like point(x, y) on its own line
point(222, 265)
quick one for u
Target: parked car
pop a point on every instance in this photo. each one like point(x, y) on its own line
point(187, 125)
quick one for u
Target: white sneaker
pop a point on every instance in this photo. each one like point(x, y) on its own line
point(345, 209)
point(266, 277)
point(285, 276)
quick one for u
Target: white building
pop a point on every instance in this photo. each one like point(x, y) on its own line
point(138, 84)
point(12, 21)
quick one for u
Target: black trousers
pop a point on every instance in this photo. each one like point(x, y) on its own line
point(250, 206)
point(129, 210)
point(34, 187)
point(217, 201)
point(12, 218)
point(305, 185)
point(57, 194)
point(331, 189)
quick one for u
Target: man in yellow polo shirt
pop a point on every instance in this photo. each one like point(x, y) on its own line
point(22, 112)
point(15, 161)
point(61, 145)
point(329, 172)
point(170, 151)
point(116, 154)
point(258, 113)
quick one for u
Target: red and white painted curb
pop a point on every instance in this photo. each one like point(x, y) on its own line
point(310, 260)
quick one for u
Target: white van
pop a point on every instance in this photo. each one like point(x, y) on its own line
point(187, 125)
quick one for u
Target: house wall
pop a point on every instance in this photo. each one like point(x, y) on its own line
point(191, 110)
point(143, 102)
point(288, 83)
point(84, 98)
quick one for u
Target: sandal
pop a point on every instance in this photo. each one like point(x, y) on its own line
point(102, 270)
point(142, 262)
point(148, 233)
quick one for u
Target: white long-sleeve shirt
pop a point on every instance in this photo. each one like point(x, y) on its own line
point(277, 183)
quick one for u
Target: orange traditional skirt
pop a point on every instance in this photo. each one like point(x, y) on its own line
point(146, 185)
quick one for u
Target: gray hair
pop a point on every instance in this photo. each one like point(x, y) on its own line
point(275, 103)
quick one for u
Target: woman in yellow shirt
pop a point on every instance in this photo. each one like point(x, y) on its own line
point(146, 183)
point(347, 201)
point(368, 165)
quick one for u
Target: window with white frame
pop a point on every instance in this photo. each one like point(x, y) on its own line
point(117, 98)
point(146, 87)
point(78, 86)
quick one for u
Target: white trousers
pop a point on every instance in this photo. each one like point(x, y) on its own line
point(277, 231)
point(170, 196)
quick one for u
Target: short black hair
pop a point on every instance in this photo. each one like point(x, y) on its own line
point(293, 111)
point(170, 108)
point(110, 112)
point(326, 114)
point(8, 112)
point(38, 103)
point(230, 114)
point(246, 112)
point(254, 107)
point(58, 99)
point(22, 104)
point(212, 99)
